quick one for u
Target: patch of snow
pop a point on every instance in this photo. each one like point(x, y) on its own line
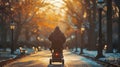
point(109, 57)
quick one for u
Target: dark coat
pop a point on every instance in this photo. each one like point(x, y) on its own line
point(57, 38)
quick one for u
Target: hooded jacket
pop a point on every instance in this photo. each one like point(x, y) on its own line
point(57, 38)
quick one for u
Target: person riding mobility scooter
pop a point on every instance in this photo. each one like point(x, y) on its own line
point(57, 39)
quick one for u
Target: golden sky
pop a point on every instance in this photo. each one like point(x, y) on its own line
point(54, 15)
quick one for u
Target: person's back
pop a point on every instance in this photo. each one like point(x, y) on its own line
point(57, 38)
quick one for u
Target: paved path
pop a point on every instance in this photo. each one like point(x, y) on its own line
point(41, 59)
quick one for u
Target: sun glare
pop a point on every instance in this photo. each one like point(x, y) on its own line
point(54, 12)
point(58, 6)
point(57, 3)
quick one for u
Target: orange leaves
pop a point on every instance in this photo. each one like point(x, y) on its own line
point(74, 20)
point(45, 24)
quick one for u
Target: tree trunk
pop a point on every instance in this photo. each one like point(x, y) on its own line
point(3, 31)
point(100, 44)
point(119, 32)
point(3, 36)
point(109, 27)
point(91, 31)
point(17, 34)
point(93, 26)
point(27, 36)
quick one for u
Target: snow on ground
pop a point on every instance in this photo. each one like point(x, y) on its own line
point(109, 57)
point(79, 61)
point(6, 54)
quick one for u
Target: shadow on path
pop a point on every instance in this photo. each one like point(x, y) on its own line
point(56, 65)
